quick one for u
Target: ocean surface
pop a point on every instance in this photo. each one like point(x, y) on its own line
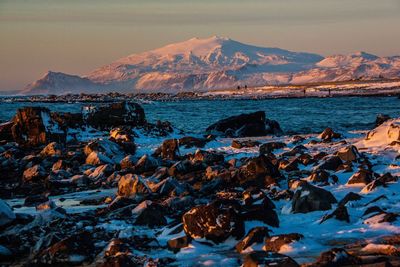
point(297, 115)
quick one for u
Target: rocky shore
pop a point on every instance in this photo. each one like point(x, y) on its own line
point(105, 187)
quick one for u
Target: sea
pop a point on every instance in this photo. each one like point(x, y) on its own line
point(295, 115)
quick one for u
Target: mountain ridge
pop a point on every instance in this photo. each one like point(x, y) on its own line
point(216, 63)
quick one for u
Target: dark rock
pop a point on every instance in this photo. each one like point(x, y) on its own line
point(349, 153)
point(319, 176)
point(168, 150)
point(150, 214)
point(242, 144)
point(263, 258)
point(208, 157)
point(259, 207)
point(146, 164)
point(128, 162)
point(309, 198)
point(114, 115)
point(275, 242)
point(255, 236)
point(381, 118)
point(34, 174)
point(330, 163)
point(328, 134)
point(336, 257)
point(340, 213)
point(52, 149)
point(189, 142)
point(258, 171)
point(270, 147)
point(361, 177)
point(349, 197)
point(6, 213)
point(252, 124)
point(74, 249)
point(34, 200)
point(216, 222)
point(175, 244)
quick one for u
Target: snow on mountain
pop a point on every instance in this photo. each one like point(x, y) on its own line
point(216, 63)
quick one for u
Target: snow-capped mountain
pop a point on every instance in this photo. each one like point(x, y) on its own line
point(216, 63)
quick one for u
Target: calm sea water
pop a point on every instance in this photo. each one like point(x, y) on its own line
point(301, 115)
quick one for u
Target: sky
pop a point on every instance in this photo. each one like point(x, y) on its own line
point(77, 36)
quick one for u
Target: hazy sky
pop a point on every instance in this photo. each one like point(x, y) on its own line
point(76, 36)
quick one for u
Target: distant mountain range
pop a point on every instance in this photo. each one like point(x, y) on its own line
point(216, 63)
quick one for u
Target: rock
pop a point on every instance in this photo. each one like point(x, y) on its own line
point(120, 135)
point(381, 118)
point(252, 124)
point(169, 150)
point(309, 198)
point(170, 186)
point(105, 147)
point(132, 186)
point(101, 172)
point(263, 258)
point(380, 249)
point(242, 144)
point(146, 164)
point(114, 115)
point(150, 214)
point(319, 176)
point(275, 242)
point(116, 247)
point(5, 131)
point(330, 163)
point(259, 207)
point(190, 141)
point(328, 134)
point(74, 249)
point(96, 158)
point(208, 157)
point(6, 213)
point(336, 257)
point(34, 200)
point(372, 186)
point(258, 171)
point(216, 222)
point(34, 174)
point(52, 149)
point(256, 235)
point(381, 217)
point(5, 254)
point(361, 177)
point(267, 148)
point(349, 153)
point(340, 213)
point(175, 244)
point(387, 178)
point(349, 197)
point(34, 126)
point(124, 139)
point(128, 162)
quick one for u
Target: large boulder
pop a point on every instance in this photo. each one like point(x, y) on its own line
point(309, 198)
point(114, 115)
point(216, 222)
point(251, 124)
point(34, 126)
